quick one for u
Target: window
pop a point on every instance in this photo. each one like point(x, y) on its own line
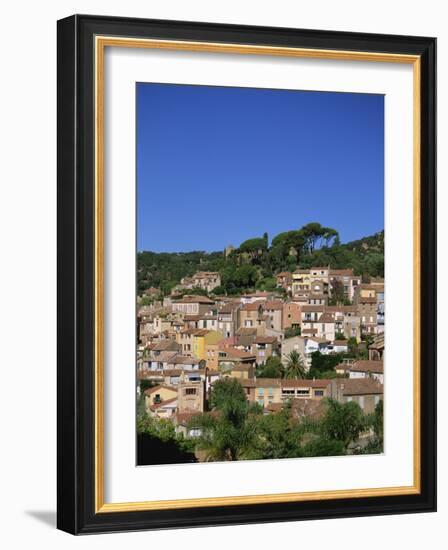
point(303, 392)
point(190, 391)
point(271, 392)
point(260, 391)
point(157, 398)
point(319, 393)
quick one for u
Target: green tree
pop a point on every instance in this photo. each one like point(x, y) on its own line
point(312, 233)
point(342, 422)
point(279, 436)
point(267, 283)
point(273, 368)
point(322, 366)
point(228, 432)
point(295, 367)
point(321, 446)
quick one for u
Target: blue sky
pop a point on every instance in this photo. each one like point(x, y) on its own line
point(217, 165)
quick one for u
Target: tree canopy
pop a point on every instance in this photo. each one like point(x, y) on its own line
point(255, 263)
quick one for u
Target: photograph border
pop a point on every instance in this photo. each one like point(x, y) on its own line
point(82, 41)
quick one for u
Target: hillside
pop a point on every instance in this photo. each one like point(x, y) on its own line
point(255, 262)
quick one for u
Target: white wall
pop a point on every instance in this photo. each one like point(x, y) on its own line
point(28, 273)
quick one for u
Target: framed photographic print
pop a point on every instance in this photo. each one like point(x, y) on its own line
point(246, 274)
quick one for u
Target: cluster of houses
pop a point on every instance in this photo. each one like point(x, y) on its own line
point(186, 343)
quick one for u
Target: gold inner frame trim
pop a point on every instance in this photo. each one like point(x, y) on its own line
point(101, 42)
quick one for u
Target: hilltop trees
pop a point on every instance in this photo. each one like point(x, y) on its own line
point(254, 263)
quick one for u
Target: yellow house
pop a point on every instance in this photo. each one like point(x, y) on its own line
point(366, 291)
point(202, 338)
point(301, 281)
point(157, 395)
point(242, 372)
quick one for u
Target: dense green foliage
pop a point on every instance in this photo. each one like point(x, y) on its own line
point(229, 433)
point(254, 263)
point(237, 430)
point(273, 368)
point(322, 366)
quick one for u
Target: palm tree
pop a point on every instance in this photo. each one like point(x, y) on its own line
point(228, 431)
point(294, 365)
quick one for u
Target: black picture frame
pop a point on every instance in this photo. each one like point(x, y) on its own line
point(76, 251)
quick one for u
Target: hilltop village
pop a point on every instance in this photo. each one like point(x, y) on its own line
point(295, 353)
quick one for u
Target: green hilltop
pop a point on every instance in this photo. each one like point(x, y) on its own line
point(254, 264)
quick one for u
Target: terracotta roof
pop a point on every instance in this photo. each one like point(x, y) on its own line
point(254, 306)
point(163, 345)
point(229, 308)
point(284, 274)
point(273, 304)
point(309, 309)
point(192, 317)
point(268, 382)
point(235, 352)
point(367, 366)
point(259, 382)
point(265, 340)
point(201, 332)
point(340, 309)
point(226, 342)
point(326, 318)
point(189, 330)
point(342, 272)
point(360, 386)
point(184, 360)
